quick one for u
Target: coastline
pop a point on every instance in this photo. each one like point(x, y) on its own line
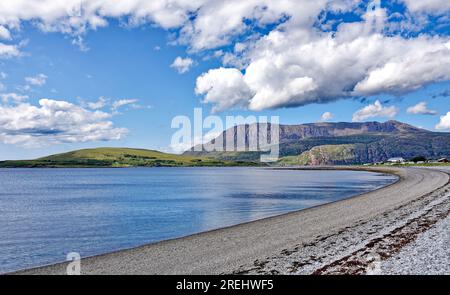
point(276, 244)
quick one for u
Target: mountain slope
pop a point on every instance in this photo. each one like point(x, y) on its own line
point(370, 142)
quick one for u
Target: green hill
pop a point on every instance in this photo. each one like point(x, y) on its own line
point(119, 157)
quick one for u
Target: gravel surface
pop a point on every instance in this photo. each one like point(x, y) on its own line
point(429, 254)
point(402, 228)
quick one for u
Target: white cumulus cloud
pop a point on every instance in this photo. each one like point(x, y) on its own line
point(224, 88)
point(444, 122)
point(431, 6)
point(123, 102)
point(38, 80)
point(12, 97)
point(423, 61)
point(373, 111)
point(294, 66)
point(326, 116)
point(202, 24)
point(53, 122)
point(8, 51)
point(75, 16)
point(421, 109)
point(100, 103)
point(182, 65)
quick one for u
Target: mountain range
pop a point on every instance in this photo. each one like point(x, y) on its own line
point(306, 144)
point(339, 143)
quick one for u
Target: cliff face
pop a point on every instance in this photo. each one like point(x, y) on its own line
point(323, 155)
point(342, 143)
point(288, 132)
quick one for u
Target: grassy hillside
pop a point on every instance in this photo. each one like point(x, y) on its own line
point(120, 157)
point(322, 155)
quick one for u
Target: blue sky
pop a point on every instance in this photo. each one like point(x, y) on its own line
point(269, 61)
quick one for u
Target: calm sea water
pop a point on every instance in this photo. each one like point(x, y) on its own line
point(47, 213)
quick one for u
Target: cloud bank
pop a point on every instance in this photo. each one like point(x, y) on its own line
point(275, 54)
point(295, 67)
point(53, 122)
point(430, 6)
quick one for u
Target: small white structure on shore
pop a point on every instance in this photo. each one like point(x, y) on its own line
point(443, 160)
point(396, 160)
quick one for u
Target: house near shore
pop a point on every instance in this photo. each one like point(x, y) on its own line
point(396, 160)
point(443, 160)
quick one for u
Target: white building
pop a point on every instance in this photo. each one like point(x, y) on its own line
point(396, 160)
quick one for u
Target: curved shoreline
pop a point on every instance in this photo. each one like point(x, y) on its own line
point(229, 249)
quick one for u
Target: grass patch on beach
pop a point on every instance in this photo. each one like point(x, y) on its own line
point(410, 165)
point(423, 164)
